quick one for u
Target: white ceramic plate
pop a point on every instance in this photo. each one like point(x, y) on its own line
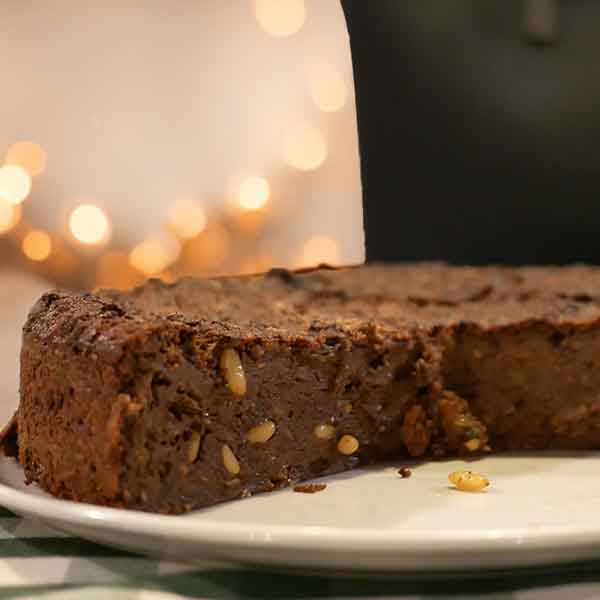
point(539, 509)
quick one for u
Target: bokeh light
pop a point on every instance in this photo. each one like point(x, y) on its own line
point(64, 263)
point(114, 271)
point(253, 265)
point(328, 88)
point(166, 276)
point(15, 184)
point(37, 245)
point(208, 251)
point(319, 249)
point(29, 156)
point(89, 224)
point(10, 215)
point(186, 218)
point(280, 18)
point(304, 148)
point(254, 193)
point(249, 223)
point(155, 254)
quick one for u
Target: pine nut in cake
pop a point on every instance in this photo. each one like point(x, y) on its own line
point(261, 433)
point(230, 462)
point(347, 445)
point(324, 431)
point(233, 371)
point(473, 445)
point(194, 446)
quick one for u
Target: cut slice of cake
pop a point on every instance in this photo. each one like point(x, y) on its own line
point(174, 397)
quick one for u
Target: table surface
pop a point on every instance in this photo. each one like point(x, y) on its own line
point(38, 562)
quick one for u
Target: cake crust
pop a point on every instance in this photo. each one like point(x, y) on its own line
point(174, 397)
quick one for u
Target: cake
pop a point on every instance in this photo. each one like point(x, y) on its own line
point(173, 397)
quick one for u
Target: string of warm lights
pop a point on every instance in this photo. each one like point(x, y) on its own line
point(190, 241)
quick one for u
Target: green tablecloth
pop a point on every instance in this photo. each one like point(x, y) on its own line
point(38, 562)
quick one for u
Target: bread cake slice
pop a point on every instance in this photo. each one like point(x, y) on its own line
point(174, 397)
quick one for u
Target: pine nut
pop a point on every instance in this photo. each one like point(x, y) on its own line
point(325, 431)
point(233, 371)
point(472, 445)
point(347, 445)
point(261, 433)
point(469, 481)
point(230, 462)
point(194, 446)
point(233, 482)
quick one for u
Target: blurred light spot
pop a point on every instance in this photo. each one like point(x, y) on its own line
point(155, 254)
point(64, 262)
point(113, 270)
point(256, 264)
point(10, 216)
point(37, 245)
point(304, 148)
point(328, 88)
point(319, 249)
point(166, 276)
point(15, 184)
point(186, 219)
point(280, 18)
point(89, 224)
point(254, 193)
point(29, 156)
point(209, 250)
point(249, 222)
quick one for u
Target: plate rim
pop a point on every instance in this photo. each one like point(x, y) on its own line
point(224, 534)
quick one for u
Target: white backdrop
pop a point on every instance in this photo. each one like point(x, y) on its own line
point(138, 103)
point(18, 292)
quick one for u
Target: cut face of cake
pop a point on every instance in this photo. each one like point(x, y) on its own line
point(175, 397)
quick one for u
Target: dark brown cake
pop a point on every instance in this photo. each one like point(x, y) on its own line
point(174, 397)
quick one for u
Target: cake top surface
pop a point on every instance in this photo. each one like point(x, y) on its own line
point(395, 295)
point(397, 298)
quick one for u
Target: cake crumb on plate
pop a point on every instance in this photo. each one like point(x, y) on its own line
point(310, 488)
